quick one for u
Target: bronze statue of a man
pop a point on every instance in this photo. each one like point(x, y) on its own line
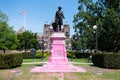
point(59, 16)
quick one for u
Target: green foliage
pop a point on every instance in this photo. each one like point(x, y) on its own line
point(103, 13)
point(82, 55)
point(27, 40)
point(27, 55)
point(39, 54)
point(8, 38)
point(76, 54)
point(70, 54)
point(106, 60)
point(10, 60)
point(75, 44)
point(3, 17)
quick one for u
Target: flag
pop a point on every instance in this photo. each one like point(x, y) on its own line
point(23, 12)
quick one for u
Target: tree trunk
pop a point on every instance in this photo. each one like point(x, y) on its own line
point(4, 51)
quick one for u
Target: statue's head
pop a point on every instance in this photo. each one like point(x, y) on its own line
point(59, 7)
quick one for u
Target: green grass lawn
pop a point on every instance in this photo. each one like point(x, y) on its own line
point(93, 73)
point(81, 60)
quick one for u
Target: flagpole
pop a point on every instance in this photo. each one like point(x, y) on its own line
point(24, 17)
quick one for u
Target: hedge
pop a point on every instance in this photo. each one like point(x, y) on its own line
point(106, 60)
point(70, 54)
point(10, 60)
point(75, 54)
point(27, 55)
point(82, 55)
point(39, 54)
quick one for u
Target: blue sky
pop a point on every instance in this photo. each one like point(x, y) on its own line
point(37, 12)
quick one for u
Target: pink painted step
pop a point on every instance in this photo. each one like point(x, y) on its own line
point(44, 69)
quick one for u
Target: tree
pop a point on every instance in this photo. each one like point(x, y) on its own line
point(106, 15)
point(3, 17)
point(111, 26)
point(84, 20)
point(8, 38)
point(27, 40)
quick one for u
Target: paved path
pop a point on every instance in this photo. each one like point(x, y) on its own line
point(46, 62)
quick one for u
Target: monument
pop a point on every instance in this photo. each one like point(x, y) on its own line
point(59, 16)
point(58, 61)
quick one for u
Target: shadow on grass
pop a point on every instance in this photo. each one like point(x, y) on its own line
point(39, 64)
point(11, 67)
point(92, 65)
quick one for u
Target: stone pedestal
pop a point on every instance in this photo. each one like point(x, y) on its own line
point(58, 61)
point(58, 50)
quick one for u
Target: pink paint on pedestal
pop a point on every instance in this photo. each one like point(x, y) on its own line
point(58, 61)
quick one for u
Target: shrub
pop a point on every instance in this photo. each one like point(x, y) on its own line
point(76, 54)
point(39, 54)
point(106, 60)
point(70, 54)
point(82, 55)
point(27, 55)
point(10, 60)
